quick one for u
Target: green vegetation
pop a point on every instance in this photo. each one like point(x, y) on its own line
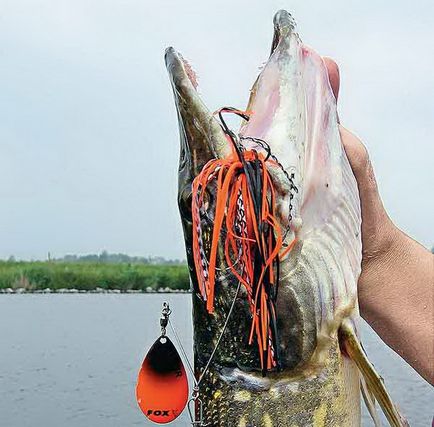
point(108, 258)
point(56, 275)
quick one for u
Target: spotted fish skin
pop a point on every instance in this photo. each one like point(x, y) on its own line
point(294, 111)
point(284, 401)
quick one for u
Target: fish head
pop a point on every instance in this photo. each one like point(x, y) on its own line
point(292, 118)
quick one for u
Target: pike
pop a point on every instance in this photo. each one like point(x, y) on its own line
point(272, 222)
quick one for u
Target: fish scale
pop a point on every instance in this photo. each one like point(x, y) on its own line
point(250, 406)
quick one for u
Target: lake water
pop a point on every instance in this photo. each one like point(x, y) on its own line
point(72, 360)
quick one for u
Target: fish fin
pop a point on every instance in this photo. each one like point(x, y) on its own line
point(369, 400)
point(350, 344)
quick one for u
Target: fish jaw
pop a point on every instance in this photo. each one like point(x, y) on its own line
point(201, 136)
point(201, 139)
point(277, 116)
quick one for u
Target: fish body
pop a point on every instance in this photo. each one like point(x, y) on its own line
point(315, 382)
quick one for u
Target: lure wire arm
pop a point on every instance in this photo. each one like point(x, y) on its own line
point(184, 353)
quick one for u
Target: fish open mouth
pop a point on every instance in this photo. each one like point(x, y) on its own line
point(241, 194)
point(274, 126)
point(265, 94)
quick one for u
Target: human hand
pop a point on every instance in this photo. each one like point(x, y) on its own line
point(396, 285)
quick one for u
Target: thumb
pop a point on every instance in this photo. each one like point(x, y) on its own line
point(334, 77)
point(374, 216)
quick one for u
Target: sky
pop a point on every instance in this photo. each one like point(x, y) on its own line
point(88, 129)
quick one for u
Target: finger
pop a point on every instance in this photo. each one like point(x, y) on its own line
point(334, 77)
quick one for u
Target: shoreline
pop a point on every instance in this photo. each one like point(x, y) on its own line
point(20, 291)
